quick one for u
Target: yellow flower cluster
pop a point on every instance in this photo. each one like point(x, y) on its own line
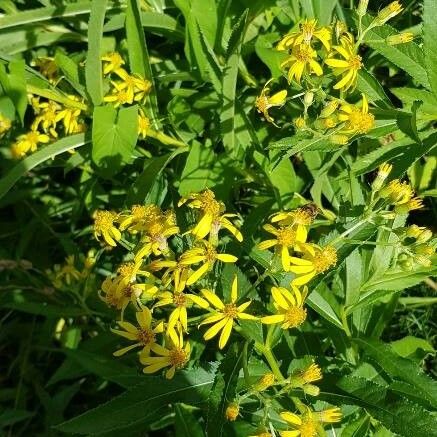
point(321, 60)
point(161, 281)
point(50, 118)
point(306, 424)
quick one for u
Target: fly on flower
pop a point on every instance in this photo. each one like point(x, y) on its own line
point(224, 314)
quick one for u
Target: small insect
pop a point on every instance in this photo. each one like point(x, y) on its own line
point(311, 209)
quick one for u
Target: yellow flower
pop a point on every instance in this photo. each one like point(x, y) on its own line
point(287, 238)
point(347, 67)
point(224, 315)
point(397, 192)
point(69, 271)
point(112, 63)
point(266, 381)
point(357, 120)
point(70, 118)
point(308, 31)
point(157, 227)
point(143, 124)
point(307, 424)
point(302, 60)
point(175, 356)
point(316, 260)
point(5, 124)
point(212, 218)
point(390, 11)
point(119, 96)
point(264, 101)
point(311, 374)
point(300, 218)
point(181, 301)
point(28, 143)
point(175, 272)
point(289, 306)
point(144, 336)
point(232, 411)
point(104, 227)
point(47, 118)
point(205, 254)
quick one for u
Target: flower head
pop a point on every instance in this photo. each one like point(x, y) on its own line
point(28, 143)
point(384, 171)
point(5, 124)
point(143, 124)
point(357, 119)
point(390, 11)
point(144, 335)
point(232, 411)
point(224, 315)
point(264, 101)
point(303, 59)
point(399, 38)
point(104, 227)
point(289, 307)
point(212, 217)
point(112, 62)
point(316, 260)
point(307, 32)
point(175, 356)
point(348, 65)
point(47, 67)
point(206, 254)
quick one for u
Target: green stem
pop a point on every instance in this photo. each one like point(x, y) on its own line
point(165, 139)
point(348, 231)
point(245, 368)
point(57, 97)
point(271, 360)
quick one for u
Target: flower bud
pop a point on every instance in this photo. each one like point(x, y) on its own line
point(383, 173)
point(232, 411)
point(400, 38)
point(362, 7)
point(424, 249)
point(299, 122)
point(407, 265)
point(390, 11)
point(308, 99)
point(423, 260)
point(329, 108)
point(424, 236)
point(413, 231)
point(311, 390)
point(339, 139)
point(264, 382)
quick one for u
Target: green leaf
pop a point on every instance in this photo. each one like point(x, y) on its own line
point(143, 184)
point(429, 41)
point(409, 345)
point(71, 71)
point(155, 22)
point(14, 84)
point(357, 428)
point(139, 61)
point(373, 90)
point(395, 412)
point(408, 57)
point(93, 66)
point(407, 122)
point(410, 95)
point(229, 87)
point(319, 304)
point(186, 423)
point(10, 416)
point(399, 368)
point(141, 404)
point(114, 137)
point(48, 152)
point(223, 391)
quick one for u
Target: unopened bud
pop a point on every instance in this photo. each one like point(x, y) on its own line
point(390, 11)
point(423, 260)
point(329, 109)
point(413, 231)
point(407, 265)
point(387, 215)
point(362, 7)
point(424, 236)
point(400, 38)
point(232, 411)
point(424, 249)
point(311, 390)
point(308, 99)
point(383, 173)
point(299, 122)
point(265, 382)
point(339, 139)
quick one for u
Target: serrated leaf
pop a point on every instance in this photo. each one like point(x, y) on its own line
point(399, 368)
point(407, 122)
point(429, 41)
point(141, 403)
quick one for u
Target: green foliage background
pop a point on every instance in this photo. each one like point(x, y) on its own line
point(208, 60)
